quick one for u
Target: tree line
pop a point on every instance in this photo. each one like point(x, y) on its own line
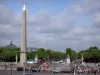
point(9, 54)
point(92, 54)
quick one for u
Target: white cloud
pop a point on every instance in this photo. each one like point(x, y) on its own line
point(54, 30)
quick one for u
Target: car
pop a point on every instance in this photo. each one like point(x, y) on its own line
point(66, 70)
point(79, 71)
point(54, 70)
point(1, 61)
point(96, 70)
point(19, 68)
point(40, 62)
point(35, 69)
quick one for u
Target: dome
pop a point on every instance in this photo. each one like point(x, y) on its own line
point(11, 45)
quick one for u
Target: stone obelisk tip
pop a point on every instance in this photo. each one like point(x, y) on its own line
point(24, 8)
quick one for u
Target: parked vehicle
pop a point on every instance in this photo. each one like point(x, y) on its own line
point(19, 68)
point(54, 70)
point(86, 70)
point(66, 70)
point(96, 70)
point(80, 71)
point(35, 69)
point(44, 68)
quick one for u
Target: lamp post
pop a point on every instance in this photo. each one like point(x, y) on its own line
point(11, 67)
point(5, 63)
point(74, 68)
point(2, 55)
point(5, 55)
point(24, 68)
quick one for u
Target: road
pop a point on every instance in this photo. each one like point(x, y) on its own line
point(14, 72)
point(7, 72)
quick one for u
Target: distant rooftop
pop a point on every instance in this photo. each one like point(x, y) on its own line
point(29, 49)
point(11, 44)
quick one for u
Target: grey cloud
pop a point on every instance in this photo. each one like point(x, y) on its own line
point(62, 29)
point(7, 24)
point(89, 6)
point(6, 16)
point(84, 31)
point(24, 1)
point(55, 30)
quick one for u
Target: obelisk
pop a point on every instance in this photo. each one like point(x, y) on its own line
point(23, 38)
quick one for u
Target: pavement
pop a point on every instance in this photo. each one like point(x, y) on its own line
point(8, 67)
point(8, 72)
point(14, 72)
point(59, 66)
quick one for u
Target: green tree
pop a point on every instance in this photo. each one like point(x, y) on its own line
point(69, 51)
point(72, 53)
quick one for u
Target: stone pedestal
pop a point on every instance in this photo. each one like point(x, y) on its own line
point(16, 59)
point(68, 60)
point(36, 58)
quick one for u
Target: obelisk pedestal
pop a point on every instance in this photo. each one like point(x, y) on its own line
point(23, 39)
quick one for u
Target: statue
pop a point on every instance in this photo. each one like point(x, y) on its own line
point(36, 58)
point(68, 59)
point(16, 59)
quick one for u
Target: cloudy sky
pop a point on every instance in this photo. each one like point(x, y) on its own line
point(52, 24)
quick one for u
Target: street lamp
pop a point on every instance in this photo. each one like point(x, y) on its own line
point(74, 68)
point(4, 55)
point(24, 68)
point(11, 67)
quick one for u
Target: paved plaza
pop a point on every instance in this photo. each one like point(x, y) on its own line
point(14, 72)
point(2, 72)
